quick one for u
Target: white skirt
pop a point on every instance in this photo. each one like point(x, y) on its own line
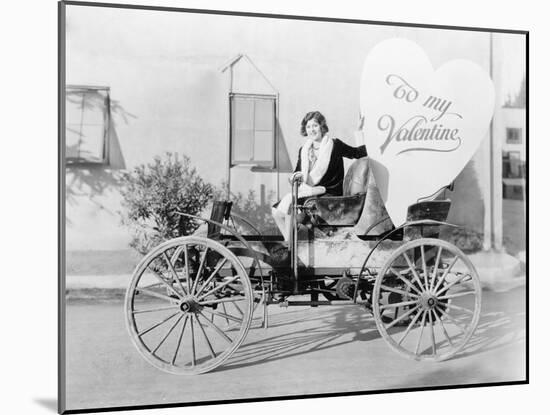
point(304, 190)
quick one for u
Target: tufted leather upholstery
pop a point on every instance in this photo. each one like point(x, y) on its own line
point(429, 209)
point(342, 210)
point(357, 177)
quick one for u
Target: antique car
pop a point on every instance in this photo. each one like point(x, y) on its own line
point(191, 300)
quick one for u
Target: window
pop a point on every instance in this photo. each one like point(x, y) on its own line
point(253, 130)
point(86, 124)
point(513, 135)
point(513, 167)
point(514, 155)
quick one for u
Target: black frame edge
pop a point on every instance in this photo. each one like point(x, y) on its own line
point(61, 284)
point(527, 161)
point(293, 397)
point(291, 17)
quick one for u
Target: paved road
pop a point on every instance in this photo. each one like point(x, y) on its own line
point(305, 351)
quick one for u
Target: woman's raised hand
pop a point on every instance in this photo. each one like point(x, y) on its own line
point(361, 122)
point(297, 176)
point(359, 137)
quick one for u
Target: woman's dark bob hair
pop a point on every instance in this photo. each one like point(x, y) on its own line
point(317, 116)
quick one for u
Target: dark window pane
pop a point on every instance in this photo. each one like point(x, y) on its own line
point(513, 135)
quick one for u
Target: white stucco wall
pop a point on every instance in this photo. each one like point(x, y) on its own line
point(164, 72)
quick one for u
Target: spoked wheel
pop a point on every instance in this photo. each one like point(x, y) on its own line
point(189, 305)
point(427, 300)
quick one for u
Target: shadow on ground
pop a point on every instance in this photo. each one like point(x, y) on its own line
point(328, 330)
point(502, 323)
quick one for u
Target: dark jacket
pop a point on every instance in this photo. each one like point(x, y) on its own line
point(333, 179)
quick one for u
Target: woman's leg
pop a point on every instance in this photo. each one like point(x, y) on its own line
point(281, 216)
point(281, 212)
point(281, 221)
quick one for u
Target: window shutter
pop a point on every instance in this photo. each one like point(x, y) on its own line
point(243, 130)
point(264, 131)
point(87, 120)
point(252, 130)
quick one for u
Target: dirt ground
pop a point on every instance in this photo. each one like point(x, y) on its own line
point(305, 351)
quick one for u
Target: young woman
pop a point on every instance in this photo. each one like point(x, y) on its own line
point(320, 160)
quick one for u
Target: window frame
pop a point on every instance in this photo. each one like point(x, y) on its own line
point(268, 164)
point(104, 157)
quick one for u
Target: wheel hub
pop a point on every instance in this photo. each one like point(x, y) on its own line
point(428, 301)
point(345, 287)
point(190, 305)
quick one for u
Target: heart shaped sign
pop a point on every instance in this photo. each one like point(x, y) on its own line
point(421, 125)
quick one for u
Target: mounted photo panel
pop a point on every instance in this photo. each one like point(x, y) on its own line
point(266, 207)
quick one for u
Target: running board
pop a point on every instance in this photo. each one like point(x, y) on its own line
point(317, 303)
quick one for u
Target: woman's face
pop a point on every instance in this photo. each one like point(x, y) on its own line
point(313, 130)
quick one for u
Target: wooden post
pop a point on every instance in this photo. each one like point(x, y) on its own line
point(497, 135)
point(293, 239)
point(230, 91)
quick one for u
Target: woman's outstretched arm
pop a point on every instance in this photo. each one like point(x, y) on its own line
point(349, 151)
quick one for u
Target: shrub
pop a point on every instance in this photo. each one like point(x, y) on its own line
point(468, 240)
point(248, 207)
point(153, 193)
